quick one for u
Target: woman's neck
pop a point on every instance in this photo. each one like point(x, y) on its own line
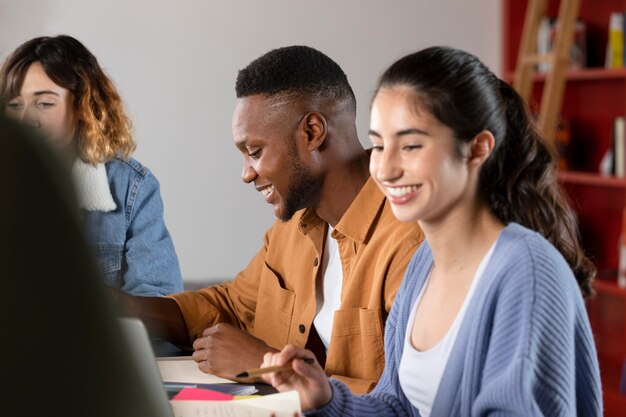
point(69, 154)
point(461, 239)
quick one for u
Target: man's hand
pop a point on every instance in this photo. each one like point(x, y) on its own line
point(224, 351)
point(161, 315)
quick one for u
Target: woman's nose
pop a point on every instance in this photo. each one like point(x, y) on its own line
point(29, 117)
point(388, 167)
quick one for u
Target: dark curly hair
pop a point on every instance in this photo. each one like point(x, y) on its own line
point(294, 72)
point(519, 180)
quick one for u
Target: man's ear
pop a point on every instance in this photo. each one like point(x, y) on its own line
point(316, 129)
point(481, 147)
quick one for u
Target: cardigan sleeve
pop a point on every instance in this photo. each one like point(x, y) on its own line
point(344, 403)
point(541, 359)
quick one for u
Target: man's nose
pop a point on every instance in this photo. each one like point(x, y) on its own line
point(248, 174)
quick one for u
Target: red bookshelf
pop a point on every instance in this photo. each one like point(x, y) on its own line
point(599, 202)
point(593, 97)
point(607, 314)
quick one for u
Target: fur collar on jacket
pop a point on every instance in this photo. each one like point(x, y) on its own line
point(92, 185)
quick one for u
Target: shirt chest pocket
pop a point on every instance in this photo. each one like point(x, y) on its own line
point(109, 261)
point(274, 309)
point(357, 344)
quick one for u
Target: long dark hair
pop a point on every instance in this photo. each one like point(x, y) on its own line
point(104, 129)
point(519, 180)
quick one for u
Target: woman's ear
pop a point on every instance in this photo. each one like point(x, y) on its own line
point(316, 129)
point(481, 147)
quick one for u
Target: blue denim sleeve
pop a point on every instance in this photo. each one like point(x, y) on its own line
point(151, 267)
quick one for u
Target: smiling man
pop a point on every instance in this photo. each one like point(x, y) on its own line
point(332, 263)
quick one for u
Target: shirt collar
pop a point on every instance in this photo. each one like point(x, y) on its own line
point(357, 220)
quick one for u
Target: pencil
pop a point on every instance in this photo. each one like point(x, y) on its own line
point(260, 371)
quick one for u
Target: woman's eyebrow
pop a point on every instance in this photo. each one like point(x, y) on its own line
point(42, 92)
point(412, 131)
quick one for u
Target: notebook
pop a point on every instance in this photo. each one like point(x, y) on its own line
point(181, 371)
point(285, 404)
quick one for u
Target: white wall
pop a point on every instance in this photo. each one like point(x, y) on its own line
point(175, 64)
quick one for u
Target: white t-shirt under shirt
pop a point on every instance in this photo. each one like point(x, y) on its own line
point(328, 289)
point(420, 372)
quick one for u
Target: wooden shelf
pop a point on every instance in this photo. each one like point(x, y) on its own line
point(585, 74)
point(593, 74)
point(590, 178)
point(609, 287)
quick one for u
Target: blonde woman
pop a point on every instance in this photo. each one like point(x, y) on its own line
point(56, 85)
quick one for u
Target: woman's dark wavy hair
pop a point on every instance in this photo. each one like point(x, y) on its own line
point(519, 180)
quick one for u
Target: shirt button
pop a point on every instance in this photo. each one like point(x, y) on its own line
point(315, 262)
point(302, 328)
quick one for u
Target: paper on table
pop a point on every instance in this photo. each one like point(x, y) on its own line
point(199, 394)
point(285, 404)
point(186, 370)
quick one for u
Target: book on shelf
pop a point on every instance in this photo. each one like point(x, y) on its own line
point(622, 384)
point(545, 41)
point(614, 160)
point(606, 163)
point(621, 250)
point(562, 138)
point(619, 147)
point(615, 41)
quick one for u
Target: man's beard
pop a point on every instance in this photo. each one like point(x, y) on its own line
point(304, 191)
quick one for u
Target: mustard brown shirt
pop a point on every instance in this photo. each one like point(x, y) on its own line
point(273, 298)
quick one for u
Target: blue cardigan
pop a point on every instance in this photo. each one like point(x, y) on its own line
point(525, 346)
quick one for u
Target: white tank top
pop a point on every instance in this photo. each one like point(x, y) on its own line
point(328, 292)
point(420, 372)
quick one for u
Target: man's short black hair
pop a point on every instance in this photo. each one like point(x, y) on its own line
point(294, 71)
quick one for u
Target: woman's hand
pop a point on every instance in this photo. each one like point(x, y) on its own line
point(308, 379)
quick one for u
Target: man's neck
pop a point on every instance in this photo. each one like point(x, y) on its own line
point(341, 186)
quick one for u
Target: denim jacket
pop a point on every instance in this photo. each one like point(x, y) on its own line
point(123, 220)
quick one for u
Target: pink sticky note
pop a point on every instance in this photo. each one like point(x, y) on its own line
point(201, 394)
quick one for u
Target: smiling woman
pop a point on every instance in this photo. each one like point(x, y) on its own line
point(490, 318)
point(415, 157)
point(56, 86)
